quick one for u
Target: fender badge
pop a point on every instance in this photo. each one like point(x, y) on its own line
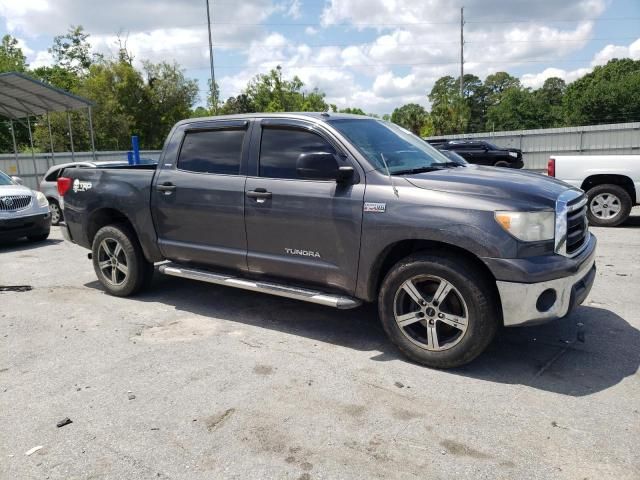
point(375, 207)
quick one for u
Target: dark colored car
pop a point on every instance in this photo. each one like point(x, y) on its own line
point(481, 152)
point(338, 210)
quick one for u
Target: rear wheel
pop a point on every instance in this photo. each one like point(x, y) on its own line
point(609, 205)
point(439, 311)
point(118, 261)
point(56, 212)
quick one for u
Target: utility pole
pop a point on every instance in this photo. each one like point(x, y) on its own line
point(461, 52)
point(214, 93)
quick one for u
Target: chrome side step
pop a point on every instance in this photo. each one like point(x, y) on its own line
point(342, 302)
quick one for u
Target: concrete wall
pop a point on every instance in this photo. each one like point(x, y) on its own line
point(32, 169)
point(538, 145)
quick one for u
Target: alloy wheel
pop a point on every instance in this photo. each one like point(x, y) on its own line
point(431, 312)
point(113, 261)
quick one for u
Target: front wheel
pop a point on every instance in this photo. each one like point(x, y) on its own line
point(609, 205)
point(438, 310)
point(118, 261)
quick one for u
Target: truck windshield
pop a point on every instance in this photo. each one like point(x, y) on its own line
point(5, 180)
point(382, 142)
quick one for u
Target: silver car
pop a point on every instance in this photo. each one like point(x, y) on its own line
point(49, 185)
point(23, 212)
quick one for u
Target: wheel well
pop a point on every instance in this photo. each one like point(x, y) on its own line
point(53, 200)
point(397, 251)
point(103, 217)
point(620, 180)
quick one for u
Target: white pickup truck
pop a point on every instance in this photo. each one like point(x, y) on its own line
point(612, 183)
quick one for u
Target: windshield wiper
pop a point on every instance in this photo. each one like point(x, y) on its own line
point(430, 168)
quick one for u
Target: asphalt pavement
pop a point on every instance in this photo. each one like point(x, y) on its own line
point(195, 381)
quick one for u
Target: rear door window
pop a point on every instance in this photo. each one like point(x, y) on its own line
point(212, 151)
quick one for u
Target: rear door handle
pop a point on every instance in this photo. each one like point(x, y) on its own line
point(167, 187)
point(260, 194)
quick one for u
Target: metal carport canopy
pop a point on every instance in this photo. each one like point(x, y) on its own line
point(22, 96)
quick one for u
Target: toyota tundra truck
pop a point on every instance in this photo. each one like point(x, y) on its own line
point(339, 210)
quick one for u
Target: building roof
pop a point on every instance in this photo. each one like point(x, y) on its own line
point(22, 96)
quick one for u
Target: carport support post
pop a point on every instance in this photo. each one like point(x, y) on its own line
point(15, 145)
point(93, 142)
point(53, 162)
point(33, 153)
point(73, 155)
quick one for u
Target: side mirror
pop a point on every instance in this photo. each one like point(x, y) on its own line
point(17, 180)
point(320, 166)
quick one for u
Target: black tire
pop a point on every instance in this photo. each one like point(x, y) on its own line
point(613, 193)
point(38, 238)
point(468, 282)
point(502, 164)
point(139, 271)
point(56, 212)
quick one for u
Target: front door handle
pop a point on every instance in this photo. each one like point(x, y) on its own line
point(260, 194)
point(167, 187)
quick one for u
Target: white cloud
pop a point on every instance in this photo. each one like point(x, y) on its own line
point(294, 9)
point(536, 80)
point(42, 59)
point(413, 43)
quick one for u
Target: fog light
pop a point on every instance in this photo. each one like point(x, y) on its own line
point(546, 300)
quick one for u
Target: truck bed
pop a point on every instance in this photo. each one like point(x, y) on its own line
point(100, 191)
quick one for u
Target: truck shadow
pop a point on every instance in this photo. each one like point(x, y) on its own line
point(547, 357)
point(24, 244)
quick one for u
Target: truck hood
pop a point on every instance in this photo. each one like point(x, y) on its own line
point(6, 190)
point(503, 184)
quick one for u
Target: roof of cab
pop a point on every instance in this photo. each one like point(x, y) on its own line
point(317, 116)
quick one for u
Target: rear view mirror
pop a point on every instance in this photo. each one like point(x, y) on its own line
point(317, 166)
point(17, 180)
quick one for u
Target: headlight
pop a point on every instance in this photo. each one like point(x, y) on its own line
point(42, 200)
point(528, 226)
point(513, 154)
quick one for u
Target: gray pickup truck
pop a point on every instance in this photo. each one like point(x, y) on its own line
point(339, 210)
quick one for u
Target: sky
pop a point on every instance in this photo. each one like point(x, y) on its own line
point(372, 54)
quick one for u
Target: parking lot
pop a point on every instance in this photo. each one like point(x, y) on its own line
point(195, 381)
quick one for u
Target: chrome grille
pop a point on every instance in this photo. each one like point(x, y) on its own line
point(577, 225)
point(13, 203)
point(572, 227)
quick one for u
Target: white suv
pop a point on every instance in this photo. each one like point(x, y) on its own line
point(23, 212)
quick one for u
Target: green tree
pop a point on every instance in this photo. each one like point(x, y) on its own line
point(239, 104)
point(449, 112)
point(609, 94)
point(549, 98)
point(496, 84)
point(353, 111)
point(72, 51)
point(272, 93)
point(170, 95)
point(410, 116)
point(314, 102)
point(12, 59)
point(518, 109)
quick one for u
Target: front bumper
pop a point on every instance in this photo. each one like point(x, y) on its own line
point(533, 303)
point(32, 225)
